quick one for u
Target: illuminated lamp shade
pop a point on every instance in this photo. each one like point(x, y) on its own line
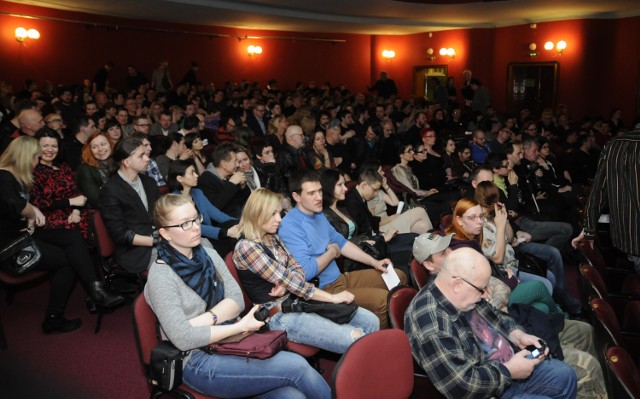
point(253, 50)
point(532, 47)
point(561, 45)
point(548, 46)
point(22, 34)
point(33, 34)
point(388, 54)
point(451, 52)
point(443, 51)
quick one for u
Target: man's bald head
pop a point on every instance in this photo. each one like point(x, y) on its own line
point(30, 121)
point(464, 278)
point(294, 136)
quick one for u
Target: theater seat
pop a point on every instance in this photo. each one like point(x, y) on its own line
point(377, 366)
point(622, 374)
point(419, 274)
point(144, 327)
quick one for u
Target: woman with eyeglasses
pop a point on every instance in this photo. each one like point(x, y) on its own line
point(55, 122)
point(198, 303)
point(270, 274)
point(467, 227)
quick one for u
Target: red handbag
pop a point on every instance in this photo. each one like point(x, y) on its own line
point(258, 345)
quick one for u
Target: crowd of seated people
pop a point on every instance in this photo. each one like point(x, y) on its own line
point(345, 167)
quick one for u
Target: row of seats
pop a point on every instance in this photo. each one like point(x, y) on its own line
point(618, 343)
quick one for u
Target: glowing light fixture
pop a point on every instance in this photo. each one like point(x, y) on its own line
point(388, 54)
point(22, 34)
point(253, 50)
point(448, 52)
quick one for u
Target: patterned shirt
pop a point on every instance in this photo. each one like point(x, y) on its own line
point(284, 269)
point(444, 344)
point(154, 172)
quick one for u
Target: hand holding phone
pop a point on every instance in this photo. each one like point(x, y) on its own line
point(536, 352)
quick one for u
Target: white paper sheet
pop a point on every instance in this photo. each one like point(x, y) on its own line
point(391, 277)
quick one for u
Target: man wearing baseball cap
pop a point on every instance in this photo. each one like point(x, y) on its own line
point(431, 249)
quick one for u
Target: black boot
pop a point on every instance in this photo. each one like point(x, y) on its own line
point(91, 306)
point(101, 296)
point(55, 323)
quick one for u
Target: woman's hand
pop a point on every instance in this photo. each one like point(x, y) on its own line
point(74, 217)
point(277, 290)
point(79, 201)
point(501, 214)
point(512, 177)
point(249, 323)
point(389, 234)
point(522, 236)
point(186, 154)
point(39, 219)
point(342, 297)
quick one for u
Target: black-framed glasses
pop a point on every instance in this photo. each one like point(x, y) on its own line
point(473, 218)
point(188, 224)
point(480, 290)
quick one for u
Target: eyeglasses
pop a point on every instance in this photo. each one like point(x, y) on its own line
point(473, 218)
point(421, 152)
point(187, 225)
point(480, 290)
point(409, 151)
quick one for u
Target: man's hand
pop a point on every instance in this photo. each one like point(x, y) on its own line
point(342, 297)
point(238, 178)
point(512, 177)
point(277, 291)
point(576, 241)
point(520, 367)
point(381, 265)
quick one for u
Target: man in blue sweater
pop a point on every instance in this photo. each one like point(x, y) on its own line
point(315, 244)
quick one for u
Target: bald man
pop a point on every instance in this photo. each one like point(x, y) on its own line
point(29, 122)
point(468, 348)
point(291, 156)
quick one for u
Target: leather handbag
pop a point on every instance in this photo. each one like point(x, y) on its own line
point(339, 313)
point(258, 345)
point(20, 256)
point(378, 250)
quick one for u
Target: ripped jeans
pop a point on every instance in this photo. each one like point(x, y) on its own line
point(312, 329)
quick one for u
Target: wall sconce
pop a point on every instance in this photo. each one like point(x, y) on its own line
point(253, 50)
point(430, 55)
point(388, 55)
point(532, 50)
point(22, 34)
point(560, 46)
point(449, 52)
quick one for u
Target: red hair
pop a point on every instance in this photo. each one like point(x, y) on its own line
point(87, 156)
point(462, 206)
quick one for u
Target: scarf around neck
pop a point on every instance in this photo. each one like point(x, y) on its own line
point(198, 272)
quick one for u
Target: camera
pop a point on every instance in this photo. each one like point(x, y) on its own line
point(262, 313)
point(536, 352)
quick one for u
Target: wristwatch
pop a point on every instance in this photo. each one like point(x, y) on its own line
point(215, 317)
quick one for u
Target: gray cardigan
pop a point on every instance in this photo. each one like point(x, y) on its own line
point(174, 303)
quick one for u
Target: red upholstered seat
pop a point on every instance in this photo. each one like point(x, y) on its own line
point(378, 365)
point(622, 373)
point(144, 326)
point(419, 274)
point(397, 303)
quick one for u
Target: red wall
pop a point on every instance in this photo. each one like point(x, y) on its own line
point(598, 70)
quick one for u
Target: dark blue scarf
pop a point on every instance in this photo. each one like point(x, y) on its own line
point(198, 272)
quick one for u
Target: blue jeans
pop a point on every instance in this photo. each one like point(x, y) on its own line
point(550, 379)
point(552, 257)
point(285, 375)
point(312, 329)
point(556, 234)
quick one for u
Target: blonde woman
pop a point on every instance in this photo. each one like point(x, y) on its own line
point(270, 274)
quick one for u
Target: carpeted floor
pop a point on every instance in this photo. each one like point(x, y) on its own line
point(75, 365)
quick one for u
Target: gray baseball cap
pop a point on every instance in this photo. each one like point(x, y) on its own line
point(428, 244)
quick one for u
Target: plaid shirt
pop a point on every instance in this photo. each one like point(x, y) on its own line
point(154, 172)
point(285, 270)
point(444, 345)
